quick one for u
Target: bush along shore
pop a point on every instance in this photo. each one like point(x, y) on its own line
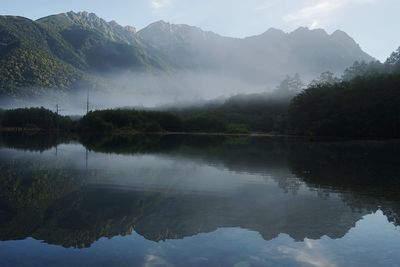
point(115, 121)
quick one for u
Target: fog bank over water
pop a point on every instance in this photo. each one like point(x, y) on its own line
point(142, 90)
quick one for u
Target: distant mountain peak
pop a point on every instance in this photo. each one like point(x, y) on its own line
point(165, 34)
point(162, 25)
point(130, 29)
point(161, 22)
point(341, 35)
point(85, 16)
point(90, 21)
point(307, 31)
point(344, 39)
point(300, 30)
point(81, 41)
point(274, 30)
point(82, 14)
point(274, 33)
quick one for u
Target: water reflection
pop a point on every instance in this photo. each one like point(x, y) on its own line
point(193, 190)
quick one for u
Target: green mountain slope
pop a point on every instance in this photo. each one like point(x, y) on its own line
point(57, 51)
point(30, 56)
point(103, 45)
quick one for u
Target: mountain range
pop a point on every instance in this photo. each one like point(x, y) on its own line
point(60, 52)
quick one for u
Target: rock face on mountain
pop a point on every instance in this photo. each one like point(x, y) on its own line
point(59, 50)
point(265, 57)
point(102, 45)
point(85, 21)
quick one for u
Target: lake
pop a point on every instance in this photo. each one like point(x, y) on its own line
point(179, 200)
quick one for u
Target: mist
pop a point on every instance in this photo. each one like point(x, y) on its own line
point(142, 91)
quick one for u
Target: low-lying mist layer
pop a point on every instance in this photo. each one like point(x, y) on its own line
point(141, 90)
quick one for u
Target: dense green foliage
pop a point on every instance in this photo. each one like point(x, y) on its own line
point(127, 119)
point(26, 72)
point(27, 58)
point(34, 118)
point(114, 120)
point(364, 104)
point(55, 52)
point(263, 112)
point(241, 113)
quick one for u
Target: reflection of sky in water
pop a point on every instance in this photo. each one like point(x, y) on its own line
point(224, 247)
point(258, 221)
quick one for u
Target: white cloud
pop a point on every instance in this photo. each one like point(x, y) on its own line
point(320, 11)
point(158, 4)
point(264, 6)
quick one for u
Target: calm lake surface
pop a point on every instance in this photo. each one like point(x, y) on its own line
point(198, 201)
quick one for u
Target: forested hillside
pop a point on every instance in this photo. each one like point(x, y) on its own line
point(56, 52)
point(27, 59)
point(60, 52)
point(365, 103)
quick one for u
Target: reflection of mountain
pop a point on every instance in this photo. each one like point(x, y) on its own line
point(369, 170)
point(65, 205)
point(254, 155)
point(27, 191)
point(79, 218)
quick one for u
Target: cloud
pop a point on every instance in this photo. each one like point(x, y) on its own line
point(319, 11)
point(265, 6)
point(158, 4)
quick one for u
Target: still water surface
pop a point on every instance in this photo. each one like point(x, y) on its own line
point(198, 201)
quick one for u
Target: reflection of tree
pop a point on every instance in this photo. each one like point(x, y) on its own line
point(81, 218)
point(27, 189)
point(51, 204)
point(130, 144)
point(56, 203)
point(366, 171)
point(32, 142)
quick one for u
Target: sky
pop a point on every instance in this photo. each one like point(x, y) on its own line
point(372, 23)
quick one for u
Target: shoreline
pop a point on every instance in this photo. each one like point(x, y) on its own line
point(20, 129)
point(118, 132)
point(137, 133)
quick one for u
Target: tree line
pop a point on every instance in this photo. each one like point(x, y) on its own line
point(34, 118)
point(363, 103)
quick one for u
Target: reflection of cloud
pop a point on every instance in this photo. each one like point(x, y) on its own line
point(311, 255)
point(153, 261)
point(314, 14)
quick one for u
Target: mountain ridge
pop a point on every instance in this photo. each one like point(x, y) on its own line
point(81, 43)
point(263, 56)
